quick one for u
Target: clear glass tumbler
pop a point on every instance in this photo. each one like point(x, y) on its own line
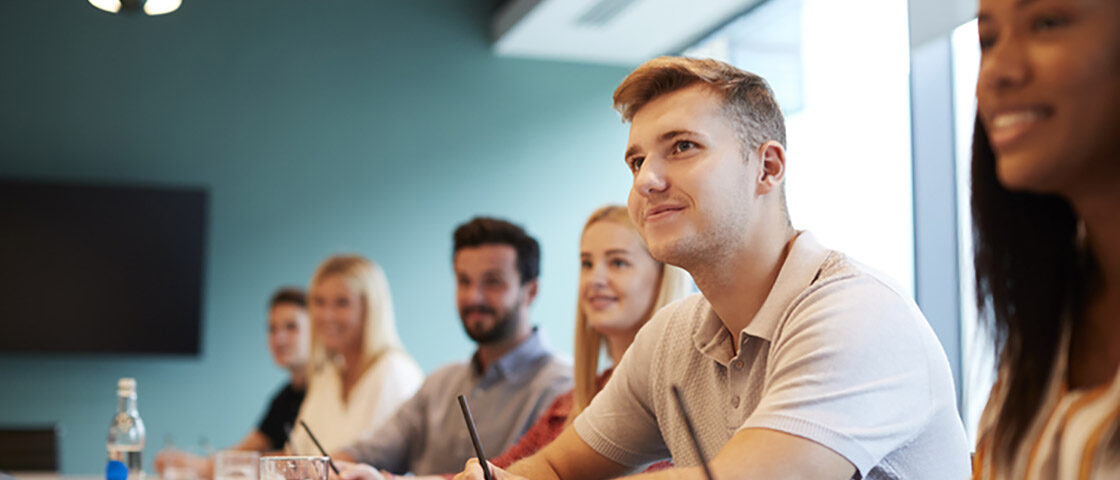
point(236, 465)
point(293, 468)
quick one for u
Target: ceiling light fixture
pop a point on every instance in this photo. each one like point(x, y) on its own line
point(150, 7)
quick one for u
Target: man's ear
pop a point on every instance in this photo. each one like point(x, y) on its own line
point(530, 291)
point(772, 159)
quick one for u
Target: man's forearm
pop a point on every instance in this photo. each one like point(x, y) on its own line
point(690, 473)
point(535, 467)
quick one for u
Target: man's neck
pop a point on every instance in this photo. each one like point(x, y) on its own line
point(737, 283)
point(491, 352)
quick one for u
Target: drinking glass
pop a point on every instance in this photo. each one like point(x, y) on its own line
point(293, 468)
point(236, 465)
point(178, 472)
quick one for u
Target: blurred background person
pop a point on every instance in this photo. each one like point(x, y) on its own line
point(289, 342)
point(509, 381)
point(1045, 196)
point(359, 372)
point(620, 287)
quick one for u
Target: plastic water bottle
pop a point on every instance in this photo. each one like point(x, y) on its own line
point(125, 442)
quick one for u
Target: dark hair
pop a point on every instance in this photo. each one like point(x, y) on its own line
point(492, 231)
point(293, 295)
point(1030, 285)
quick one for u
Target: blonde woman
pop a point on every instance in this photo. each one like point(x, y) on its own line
point(620, 286)
point(359, 372)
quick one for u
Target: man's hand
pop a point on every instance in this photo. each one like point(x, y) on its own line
point(357, 471)
point(473, 471)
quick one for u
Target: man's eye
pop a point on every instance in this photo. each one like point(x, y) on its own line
point(493, 282)
point(636, 163)
point(683, 146)
point(618, 262)
point(586, 265)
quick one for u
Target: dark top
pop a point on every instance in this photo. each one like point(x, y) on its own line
point(281, 415)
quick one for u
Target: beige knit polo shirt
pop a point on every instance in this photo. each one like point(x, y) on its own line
point(835, 355)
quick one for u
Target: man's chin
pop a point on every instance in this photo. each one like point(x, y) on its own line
point(480, 337)
point(666, 251)
point(482, 325)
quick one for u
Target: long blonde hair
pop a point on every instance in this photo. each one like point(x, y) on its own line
point(379, 326)
point(589, 344)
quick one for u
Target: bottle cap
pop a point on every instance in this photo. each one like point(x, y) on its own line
point(126, 386)
point(116, 470)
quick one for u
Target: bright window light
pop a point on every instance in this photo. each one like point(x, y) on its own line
point(841, 71)
point(978, 357)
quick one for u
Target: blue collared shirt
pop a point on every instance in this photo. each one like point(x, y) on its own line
point(428, 436)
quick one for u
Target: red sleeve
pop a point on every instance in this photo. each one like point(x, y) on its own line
point(547, 427)
point(543, 432)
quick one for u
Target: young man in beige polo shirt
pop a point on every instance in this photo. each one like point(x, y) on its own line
point(795, 362)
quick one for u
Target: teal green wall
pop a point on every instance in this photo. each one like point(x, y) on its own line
point(318, 127)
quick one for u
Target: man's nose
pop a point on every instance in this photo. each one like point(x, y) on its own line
point(470, 294)
point(650, 178)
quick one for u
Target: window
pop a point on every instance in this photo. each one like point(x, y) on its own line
point(841, 72)
point(978, 362)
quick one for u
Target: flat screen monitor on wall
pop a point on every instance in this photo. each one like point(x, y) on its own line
point(90, 268)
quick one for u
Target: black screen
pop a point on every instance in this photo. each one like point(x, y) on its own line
point(92, 268)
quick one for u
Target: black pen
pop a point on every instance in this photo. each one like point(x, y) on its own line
point(691, 432)
point(474, 438)
point(320, 447)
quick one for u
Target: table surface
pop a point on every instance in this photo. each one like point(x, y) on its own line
point(57, 476)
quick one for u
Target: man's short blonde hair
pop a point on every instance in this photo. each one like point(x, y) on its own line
point(748, 100)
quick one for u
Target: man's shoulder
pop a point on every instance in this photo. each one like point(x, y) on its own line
point(551, 369)
point(839, 267)
point(842, 279)
point(552, 359)
point(849, 302)
point(456, 369)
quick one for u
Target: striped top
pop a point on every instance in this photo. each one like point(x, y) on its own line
point(1069, 439)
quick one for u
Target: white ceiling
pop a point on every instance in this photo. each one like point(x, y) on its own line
point(619, 32)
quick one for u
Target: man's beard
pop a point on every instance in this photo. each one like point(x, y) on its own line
point(502, 329)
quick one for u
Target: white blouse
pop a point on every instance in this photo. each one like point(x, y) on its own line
point(376, 396)
point(1068, 439)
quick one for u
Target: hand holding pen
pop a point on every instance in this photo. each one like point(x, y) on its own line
point(473, 471)
point(479, 468)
